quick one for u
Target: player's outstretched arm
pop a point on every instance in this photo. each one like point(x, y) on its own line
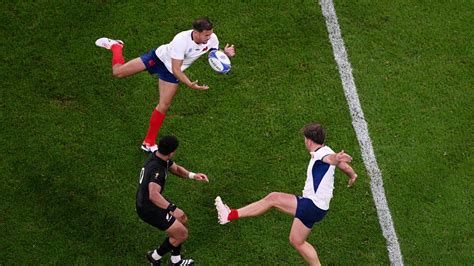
point(176, 67)
point(336, 158)
point(184, 173)
point(341, 160)
point(347, 169)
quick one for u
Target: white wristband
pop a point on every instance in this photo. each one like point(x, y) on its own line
point(191, 175)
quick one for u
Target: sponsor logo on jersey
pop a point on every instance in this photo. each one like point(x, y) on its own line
point(205, 48)
point(157, 174)
point(168, 217)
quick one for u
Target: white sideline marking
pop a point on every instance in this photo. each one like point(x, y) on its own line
point(362, 132)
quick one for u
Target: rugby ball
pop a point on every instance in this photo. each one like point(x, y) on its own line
point(219, 61)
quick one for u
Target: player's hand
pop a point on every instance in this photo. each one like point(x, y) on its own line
point(343, 157)
point(351, 181)
point(183, 219)
point(178, 214)
point(201, 177)
point(229, 50)
point(194, 85)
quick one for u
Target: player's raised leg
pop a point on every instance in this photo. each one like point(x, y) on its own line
point(167, 92)
point(120, 69)
point(130, 68)
point(298, 235)
point(282, 201)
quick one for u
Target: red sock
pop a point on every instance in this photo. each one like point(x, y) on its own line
point(233, 215)
point(156, 121)
point(117, 57)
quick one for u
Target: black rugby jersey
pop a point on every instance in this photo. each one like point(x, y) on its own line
point(154, 170)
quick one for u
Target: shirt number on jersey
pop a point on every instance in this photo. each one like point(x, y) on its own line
point(142, 173)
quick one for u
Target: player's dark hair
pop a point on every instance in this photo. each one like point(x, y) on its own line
point(314, 132)
point(167, 145)
point(201, 24)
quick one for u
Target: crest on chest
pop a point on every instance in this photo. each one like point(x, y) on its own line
point(157, 174)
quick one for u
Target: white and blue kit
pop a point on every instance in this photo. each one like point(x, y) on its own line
point(318, 189)
point(182, 47)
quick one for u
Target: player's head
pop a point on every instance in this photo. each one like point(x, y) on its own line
point(168, 145)
point(201, 24)
point(314, 132)
point(202, 30)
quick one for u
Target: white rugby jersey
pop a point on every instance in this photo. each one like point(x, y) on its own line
point(183, 47)
point(320, 179)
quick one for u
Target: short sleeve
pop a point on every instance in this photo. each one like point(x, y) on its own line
point(323, 152)
point(178, 48)
point(214, 42)
point(156, 176)
point(319, 156)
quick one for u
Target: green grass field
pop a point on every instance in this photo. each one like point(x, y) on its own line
point(70, 132)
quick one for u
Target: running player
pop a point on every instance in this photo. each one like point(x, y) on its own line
point(317, 193)
point(159, 211)
point(168, 62)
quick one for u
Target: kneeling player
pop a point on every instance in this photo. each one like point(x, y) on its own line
point(158, 211)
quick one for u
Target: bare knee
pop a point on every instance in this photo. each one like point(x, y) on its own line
point(296, 242)
point(182, 236)
point(163, 107)
point(273, 197)
point(117, 72)
point(165, 103)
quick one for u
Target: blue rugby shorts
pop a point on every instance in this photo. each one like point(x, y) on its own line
point(307, 212)
point(155, 66)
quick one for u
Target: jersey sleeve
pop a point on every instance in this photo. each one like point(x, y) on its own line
point(213, 42)
point(157, 176)
point(324, 151)
point(178, 48)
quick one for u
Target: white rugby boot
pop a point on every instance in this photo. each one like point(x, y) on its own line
point(222, 211)
point(107, 43)
point(149, 148)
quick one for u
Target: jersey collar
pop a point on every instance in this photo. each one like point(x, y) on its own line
point(313, 153)
point(160, 161)
point(318, 148)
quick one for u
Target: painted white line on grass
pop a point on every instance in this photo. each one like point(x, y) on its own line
point(362, 132)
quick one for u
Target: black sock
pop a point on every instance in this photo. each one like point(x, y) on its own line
point(165, 247)
point(176, 251)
